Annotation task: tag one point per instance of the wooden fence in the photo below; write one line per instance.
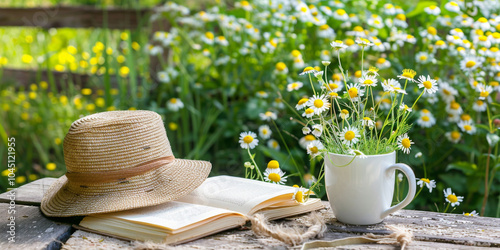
(72, 17)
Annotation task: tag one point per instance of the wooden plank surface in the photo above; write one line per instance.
(74, 17)
(32, 229)
(431, 231)
(28, 194)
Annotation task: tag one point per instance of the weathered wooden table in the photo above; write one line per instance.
(431, 230)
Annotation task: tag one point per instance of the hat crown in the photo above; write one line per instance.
(115, 140)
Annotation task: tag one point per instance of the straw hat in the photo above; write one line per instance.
(120, 160)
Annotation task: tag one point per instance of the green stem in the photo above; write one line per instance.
(289, 153)
(255, 164)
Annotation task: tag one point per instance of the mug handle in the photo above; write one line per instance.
(411, 191)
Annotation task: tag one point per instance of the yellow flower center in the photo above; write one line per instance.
(333, 94)
(453, 4)
(452, 198)
(479, 103)
(344, 111)
(309, 111)
(406, 143)
(310, 138)
(494, 83)
(209, 35)
(423, 58)
(318, 103)
(353, 92)
(431, 30)
(274, 177)
(409, 73)
(173, 100)
(367, 82)
(455, 135)
(465, 117)
(482, 20)
(483, 38)
(484, 93)
(308, 69)
(349, 135)
(324, 27)
(247, 139)
(341, 12)
(332, 86)
(295, 53)
(454, 105)
(470, 64)
(440, 43)
(427, 84)
(401, 17)
(432, 7)
(295, 85)
(303, 9)
(302, 101)
(280, 66)
(273, 164)
(425, 118)
(468, 127)
(314, 149)
(446, 92)
(299, 197)
(425, 180)
(381, 60)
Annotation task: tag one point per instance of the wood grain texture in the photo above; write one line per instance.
(32, 229)
(28, 194)
(74, 17)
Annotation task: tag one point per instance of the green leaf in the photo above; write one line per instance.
(420, 8)
(466, 148)
(466, 167)
(282, 158)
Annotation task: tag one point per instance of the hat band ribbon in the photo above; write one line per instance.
(120, 174)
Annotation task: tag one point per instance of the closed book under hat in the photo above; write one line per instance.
(120, 160)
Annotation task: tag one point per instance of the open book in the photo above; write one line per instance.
(220, 203)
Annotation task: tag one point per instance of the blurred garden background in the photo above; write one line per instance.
(214, 69)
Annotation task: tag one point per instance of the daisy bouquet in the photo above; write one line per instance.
(350, 117)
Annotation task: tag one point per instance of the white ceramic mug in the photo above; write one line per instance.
(361, 192)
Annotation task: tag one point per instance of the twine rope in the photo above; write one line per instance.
(289, 235)
(120, 174)
(399, 235)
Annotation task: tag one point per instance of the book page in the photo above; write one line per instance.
(234, 193)
(173, 215)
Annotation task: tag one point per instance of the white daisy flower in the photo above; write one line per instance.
(484, 91)
(272, 143)
(426, 119)
(208, 38)
(452, 6)
(344, 114)
(308, 70)
(363, 42)
(314, 148)
(268, 116)
(340, 15)
(418, 155)
(262, 94)
(429, 84)
(163, 77)
(423, 57)
(404, 143)
(390, 85)
(301, 104)
(275, 175)
(248, 140)
(452, 198)
(470, 63)
(175, 104)
(447, 92)
(405, 107)
(309, 112)
(317, 130)
(299, 195)
(319, 104)
(467, 127)
(408, 74)
(333, 86)
(433, 10)
(453, 136)
(368, 80)
(338, 45)
(430, 184)
(349, 135)
(265, 132)
(479, 106)
(306, 130)
(357, 153)
(368, 122)
(355, 92)
(454, 108)
(221, 40)
(306, 140)
(473, 213)
(325, 63)
(482, 24)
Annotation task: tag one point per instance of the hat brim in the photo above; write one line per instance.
(166, 183)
